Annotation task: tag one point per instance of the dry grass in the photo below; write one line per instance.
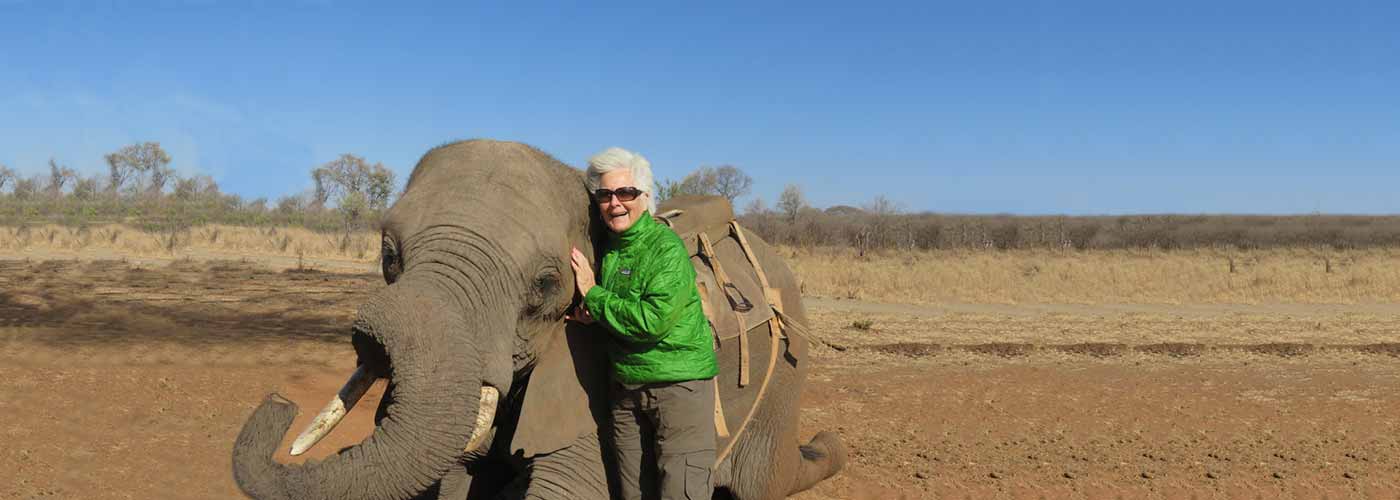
(1295, 275)
(204, 240)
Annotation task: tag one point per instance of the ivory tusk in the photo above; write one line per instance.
(335, 410)
(485, 413)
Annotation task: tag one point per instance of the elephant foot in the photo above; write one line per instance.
(822, 457)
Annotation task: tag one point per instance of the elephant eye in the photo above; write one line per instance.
(389, 260)
(542, 288)
(547, 281)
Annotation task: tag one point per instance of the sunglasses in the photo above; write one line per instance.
(628, 193)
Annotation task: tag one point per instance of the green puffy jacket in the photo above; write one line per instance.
(646, 297)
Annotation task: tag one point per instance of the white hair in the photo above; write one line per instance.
(615, 158)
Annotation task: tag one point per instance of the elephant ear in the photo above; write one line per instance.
(567, 396)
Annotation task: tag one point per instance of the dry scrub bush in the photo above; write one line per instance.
(865, 231)
(204, 240)
(1289, 275)
(162, 212)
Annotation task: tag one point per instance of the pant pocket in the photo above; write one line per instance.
(697, 475)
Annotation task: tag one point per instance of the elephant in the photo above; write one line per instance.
(492, 394)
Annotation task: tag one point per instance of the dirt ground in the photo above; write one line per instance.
(130, 380)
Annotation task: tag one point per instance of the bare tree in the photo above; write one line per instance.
(85, 188)
(294, 203)
(725, 180)
(701, 181)
(883, 229)
(59, 176)
(7, 176)
(257, 205)
(26, 187)
(756, 207)
(882, 205)
(207, 185)
(731, 183)
(187, 189)
(157, 178)
(665, 190)
(791, 202)
(135, 161)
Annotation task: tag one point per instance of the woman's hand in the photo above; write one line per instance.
(580, 314)
(583, 272)
(583, 281)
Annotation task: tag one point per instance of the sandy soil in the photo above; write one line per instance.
(131, 379)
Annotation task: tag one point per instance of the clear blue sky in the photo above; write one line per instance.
(1018, 107)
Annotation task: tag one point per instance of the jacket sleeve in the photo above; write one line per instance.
(657, 310)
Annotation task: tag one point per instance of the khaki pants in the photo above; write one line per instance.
(663, 439)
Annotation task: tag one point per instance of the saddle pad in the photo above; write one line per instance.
(711, 215)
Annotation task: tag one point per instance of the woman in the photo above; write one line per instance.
(660, 345)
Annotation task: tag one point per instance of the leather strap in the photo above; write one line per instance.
(743, 354)
(668, 215)
(707, 310)
(748, 253)
(708, 251)
(721, 428)
(774, 339)
(770, 294)
(731, 292)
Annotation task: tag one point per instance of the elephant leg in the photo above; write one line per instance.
(768, 464)
(575, 472)
(820, 458)
(479, 480)
(763, 472)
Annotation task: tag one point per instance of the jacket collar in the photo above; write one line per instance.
(644, 226)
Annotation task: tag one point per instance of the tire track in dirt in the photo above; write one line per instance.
(1108, 350)
(1029, 310)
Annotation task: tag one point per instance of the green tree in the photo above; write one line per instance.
(352, 207)
(291, 204)
(136, 161)
(351, 176)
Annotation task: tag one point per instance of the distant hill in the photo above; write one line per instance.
(844, 210)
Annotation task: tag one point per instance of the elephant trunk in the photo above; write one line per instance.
(414, 336)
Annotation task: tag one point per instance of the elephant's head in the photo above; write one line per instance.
(475, 254)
